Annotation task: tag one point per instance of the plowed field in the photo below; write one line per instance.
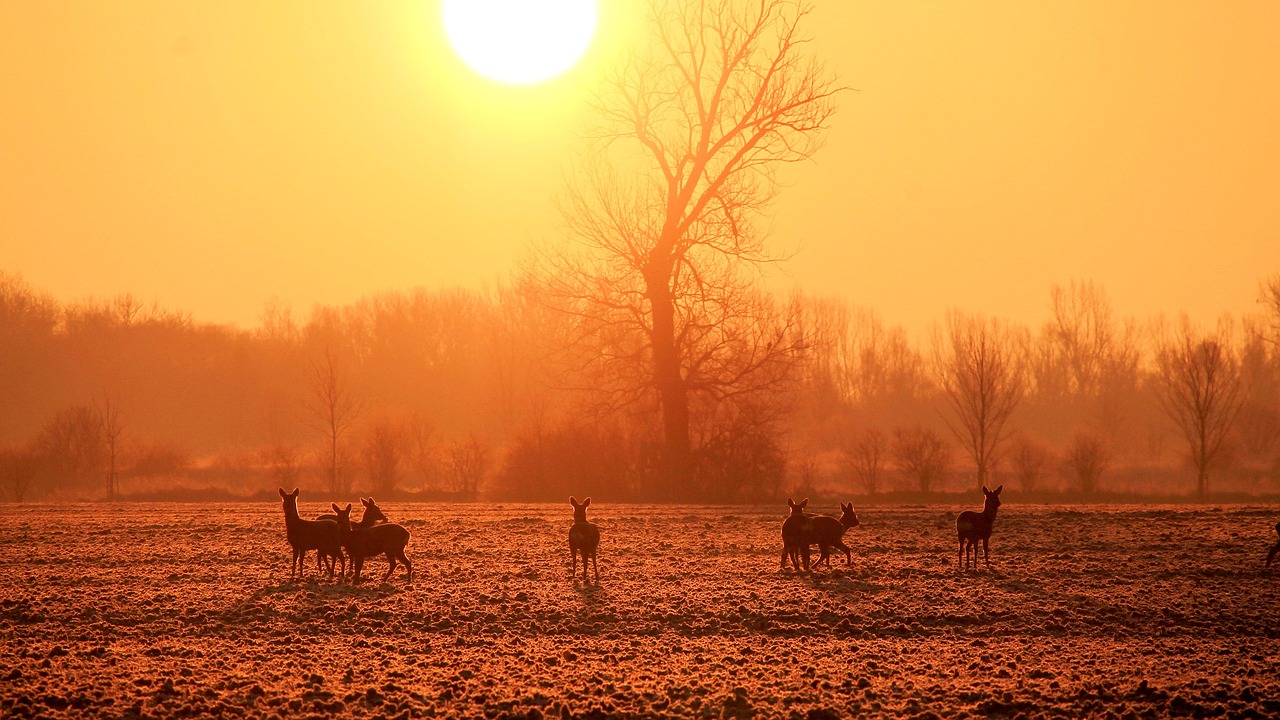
(187, 610)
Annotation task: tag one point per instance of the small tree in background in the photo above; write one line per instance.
(1269, 296)
(334, 410)
(1200, 390)
(866, 457)
(383, 451)
(19, 468)
(112, 429)
(921, 455)
(468, 461)
(72, 447)
(976, 361)
(1031, 461)
(1087, 458)
(283, 462)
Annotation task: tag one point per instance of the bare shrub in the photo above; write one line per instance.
(1031, 461)
(1086, 460)
(921, 456)
(866, 456)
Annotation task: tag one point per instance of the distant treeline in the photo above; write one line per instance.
(464, 394)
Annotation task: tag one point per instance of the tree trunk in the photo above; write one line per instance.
(677, 464)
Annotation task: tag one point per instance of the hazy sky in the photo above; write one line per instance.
(215, 155)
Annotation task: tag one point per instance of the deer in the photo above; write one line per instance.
(372, 516)
(319, 535)
(584, 538)
(387, 539)
(974, 526)
(828, 532)
(1275, 549)
(794, 530)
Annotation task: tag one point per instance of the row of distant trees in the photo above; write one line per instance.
(458, 394)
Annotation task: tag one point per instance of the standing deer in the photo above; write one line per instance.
(372, 516)
(584, 537)
(1275, 549)
(794, 533)
(828, 532)
(388, 539)
(304, 535)
(974, 526)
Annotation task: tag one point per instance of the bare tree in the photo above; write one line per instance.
(1269, 296)
(283, 463)
(921, 455)
(468, 463)
(1096, 353)
(19, 468)
(383, 451)
(1030, 460)
(72, 447)
(112, 428)
(424, 453)
(976, 362)
(334, 410)
(1087, 458)
(692, 131)
(866, 456)
(1200, 390)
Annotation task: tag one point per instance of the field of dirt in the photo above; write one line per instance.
(187, 610)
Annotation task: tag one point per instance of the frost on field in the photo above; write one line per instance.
(175, 610)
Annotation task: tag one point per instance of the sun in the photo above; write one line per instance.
(520, 41)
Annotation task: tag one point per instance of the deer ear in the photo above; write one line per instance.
(573, 501)
(985, 491)
(790, 503)
(335, 507)
(348, 507)
(295, 492)
(282, 493)
(804, 503)
(365, 502)
(586, 503)
(997, 490)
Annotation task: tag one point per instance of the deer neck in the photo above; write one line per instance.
(989, 512)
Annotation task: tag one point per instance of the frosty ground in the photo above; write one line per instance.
(180, 610)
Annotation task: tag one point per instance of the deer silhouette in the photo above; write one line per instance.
(387, 539)
(974, 526)
(828, 532)
(794, 534)
(304, 535)
(584, 538)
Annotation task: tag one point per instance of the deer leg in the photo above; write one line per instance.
(986, 554)
(848, 554)
(595, 567)
(391, 565)
(1275, 550)
(804, 554)
(408, 566)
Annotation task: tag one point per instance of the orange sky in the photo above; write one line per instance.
(215, 155)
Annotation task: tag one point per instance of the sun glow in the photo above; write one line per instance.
(520, 41)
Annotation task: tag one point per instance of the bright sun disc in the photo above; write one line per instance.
(520, 41)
